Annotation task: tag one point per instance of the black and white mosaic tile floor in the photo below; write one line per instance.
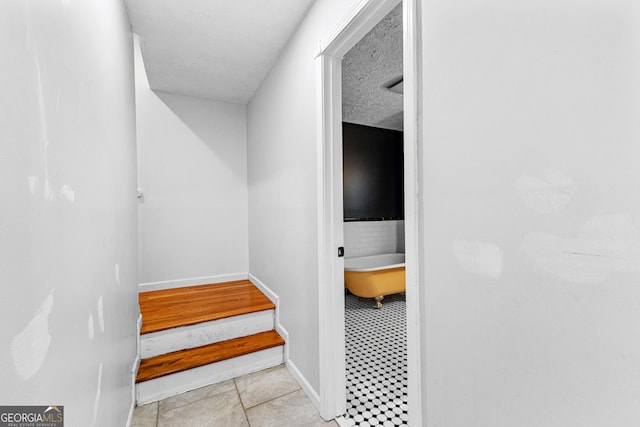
(376, 348)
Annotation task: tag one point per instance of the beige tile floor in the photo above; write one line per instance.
(266, 398)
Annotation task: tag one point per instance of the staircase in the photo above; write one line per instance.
(200, 335)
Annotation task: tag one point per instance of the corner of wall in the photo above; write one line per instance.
(311, 393)
(297, 374)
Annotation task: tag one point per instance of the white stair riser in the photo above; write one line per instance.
(170, 385)
(175, 339)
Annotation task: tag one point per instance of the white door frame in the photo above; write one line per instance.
(360, 19)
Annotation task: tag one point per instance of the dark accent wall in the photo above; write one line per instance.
(373, 173)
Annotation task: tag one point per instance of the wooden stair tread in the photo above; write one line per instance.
(178, 361)
(171, 308)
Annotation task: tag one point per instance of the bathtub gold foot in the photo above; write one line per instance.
(379, 301)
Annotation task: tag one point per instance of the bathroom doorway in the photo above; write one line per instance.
(359, 22)
(374, 235)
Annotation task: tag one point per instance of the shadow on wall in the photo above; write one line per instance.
(209, 121)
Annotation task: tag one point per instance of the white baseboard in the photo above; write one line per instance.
(304, 384)
(274, 298)
(285, 335)
(181, 283)
(138, 329)
(134, 371)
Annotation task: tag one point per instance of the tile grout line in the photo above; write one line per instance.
(244, 410)
(270, 400)
(266, 401)
(276, 398)
(156, 421)
(157, 413)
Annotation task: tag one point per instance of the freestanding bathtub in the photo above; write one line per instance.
(375, 276)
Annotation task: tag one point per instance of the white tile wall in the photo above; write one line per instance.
(363, 238)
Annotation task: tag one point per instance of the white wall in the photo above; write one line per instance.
(362, 238)
(531, 213)
(68, 216)
(282, 184)
(192, 167)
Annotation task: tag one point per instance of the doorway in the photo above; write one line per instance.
(358, 22)
(373, 205)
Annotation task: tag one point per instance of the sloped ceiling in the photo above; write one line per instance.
(223, 49)
(217, 49)
(366, 68)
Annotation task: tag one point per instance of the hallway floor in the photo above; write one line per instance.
(266, 398)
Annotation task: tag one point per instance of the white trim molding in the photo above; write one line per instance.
(274, 298)
(332, 398)
(304, 384)
(285, 336)
(191, 281)
(413, 229)
(354, 25)
(134, 370)
(359, 20)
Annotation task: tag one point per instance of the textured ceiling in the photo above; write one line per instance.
(218, 49)
(223, 49)
(371, 63)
